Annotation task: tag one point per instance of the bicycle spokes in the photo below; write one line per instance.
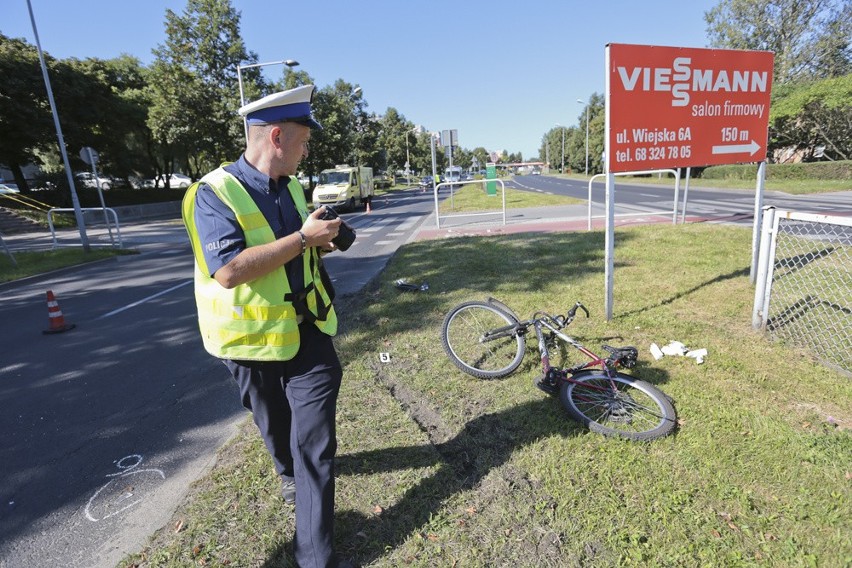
(482, 340)
(619, 405)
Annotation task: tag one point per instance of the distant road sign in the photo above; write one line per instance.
(89, 155)
(671, 107)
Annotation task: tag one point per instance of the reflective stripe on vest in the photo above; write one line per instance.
(253, 321)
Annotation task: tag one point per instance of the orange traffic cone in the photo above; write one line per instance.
(54, 314)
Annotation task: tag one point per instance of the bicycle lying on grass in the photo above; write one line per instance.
(487, 340)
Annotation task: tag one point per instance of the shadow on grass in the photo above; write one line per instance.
(479, 266)
(485, 443)
(721, 278)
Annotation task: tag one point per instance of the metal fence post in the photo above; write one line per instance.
(763, 263)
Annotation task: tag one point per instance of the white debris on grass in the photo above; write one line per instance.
(677, 349)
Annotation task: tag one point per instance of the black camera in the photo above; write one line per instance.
(346, 235)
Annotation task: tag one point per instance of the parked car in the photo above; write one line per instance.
(176, 181)
(86, 179)
(426, 183)
(382, 181)
(9, 188)
(308, 181)
(402, 179)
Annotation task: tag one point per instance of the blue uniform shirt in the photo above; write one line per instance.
(219, 232)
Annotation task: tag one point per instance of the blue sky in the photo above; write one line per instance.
(502, 73)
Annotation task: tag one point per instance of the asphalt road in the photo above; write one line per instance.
(701, 202)
(106, 426)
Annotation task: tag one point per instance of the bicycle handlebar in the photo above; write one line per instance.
(573, 311)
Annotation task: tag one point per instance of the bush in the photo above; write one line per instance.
(840, 170)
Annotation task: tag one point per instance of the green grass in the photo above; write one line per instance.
(436, 468)
(473, 197)
(32, 263)
(792, 186)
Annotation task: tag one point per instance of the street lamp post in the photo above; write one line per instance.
(407, 155)
(587, 135)
(353, 96)
(288, 62)
(563, 147)
(78, 212)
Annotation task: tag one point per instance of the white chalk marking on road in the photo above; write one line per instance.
(127, 494)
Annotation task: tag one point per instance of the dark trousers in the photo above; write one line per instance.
(293, 404)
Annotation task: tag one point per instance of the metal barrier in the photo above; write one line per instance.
(450, 184)
(803, 291)
(8, 252)
(106, 211)
(674, 210)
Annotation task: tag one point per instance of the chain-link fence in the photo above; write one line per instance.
(804, 283)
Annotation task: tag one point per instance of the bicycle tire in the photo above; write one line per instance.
(461, 333)
(637, 411)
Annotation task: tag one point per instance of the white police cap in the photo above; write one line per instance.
(293, 105)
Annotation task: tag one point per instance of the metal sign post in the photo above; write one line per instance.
(90, 156)
(699, 107)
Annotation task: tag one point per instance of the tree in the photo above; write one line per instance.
(481, 156)
(810, 38)
(25, 117)
(462, 157)
(110, 112)
(291, 80)
(340, 110)
(575, 144)
(94, 102)
(394, 128)
(194, 87)
(814, 115)
(552, 145)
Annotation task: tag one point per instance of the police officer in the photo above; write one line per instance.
(264, 309)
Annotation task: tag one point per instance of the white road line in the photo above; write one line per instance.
(143, 300)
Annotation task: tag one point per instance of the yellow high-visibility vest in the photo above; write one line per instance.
(255, 321)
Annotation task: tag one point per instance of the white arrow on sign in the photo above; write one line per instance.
(751, 148)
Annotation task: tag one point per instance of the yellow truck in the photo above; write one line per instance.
(344, 186)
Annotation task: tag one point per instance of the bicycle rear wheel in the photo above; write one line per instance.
(618, 406)
(481, 340)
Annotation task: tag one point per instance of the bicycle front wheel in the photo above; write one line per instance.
(619, 405)
(482, 340)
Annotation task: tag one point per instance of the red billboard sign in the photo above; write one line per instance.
(671, 107)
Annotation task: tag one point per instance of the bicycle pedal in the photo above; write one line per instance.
(549, 387)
